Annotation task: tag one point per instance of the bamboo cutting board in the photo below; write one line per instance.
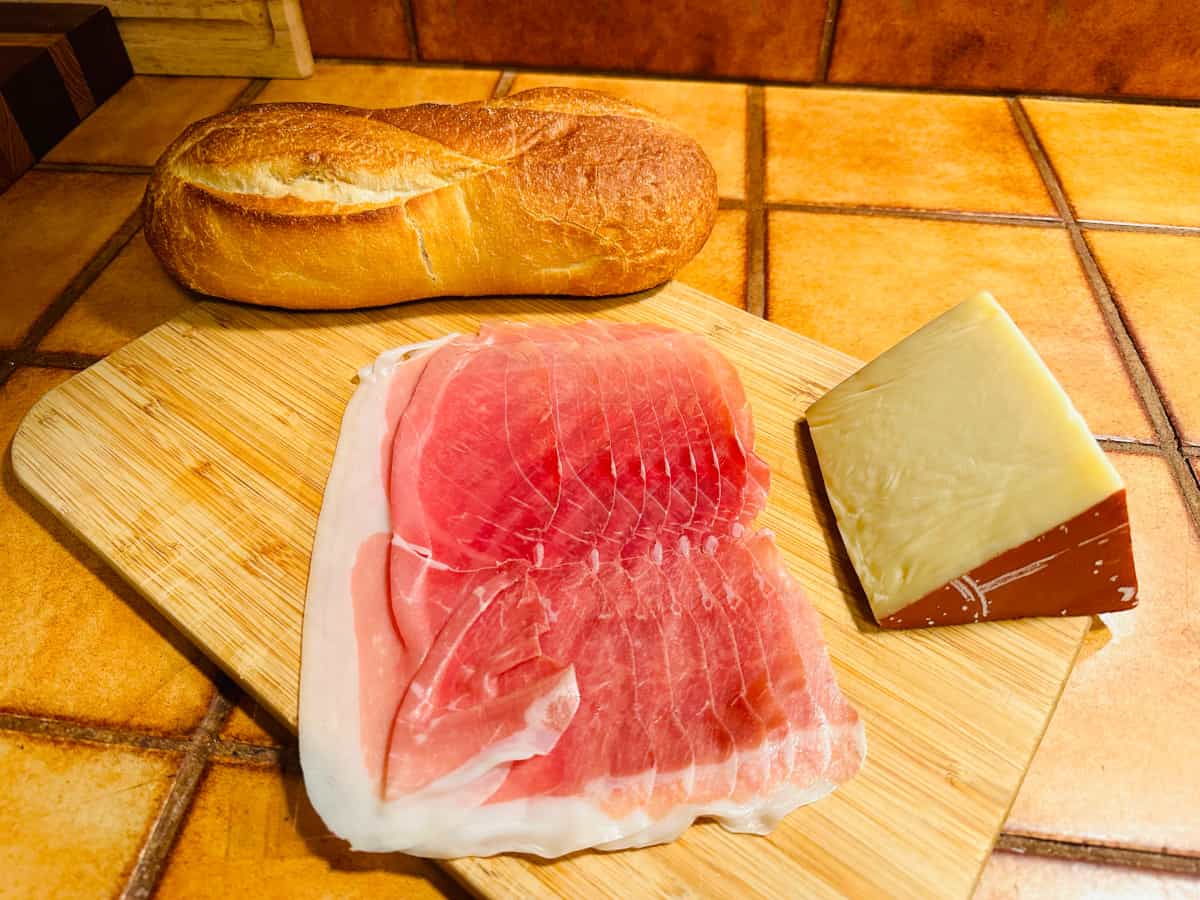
(194, 461)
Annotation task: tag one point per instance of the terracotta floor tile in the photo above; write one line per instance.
(719, 269)
(861, 283)
(935, 152)
(1125, 162)
(1011, 876)
(51, 224)
(713, 113)
(78, 643)
(131, 296)
(138, 122)
(1118, 762)
(251, 832)
(382, 85)
(250, 724)
(73, 816)
(1154, 277)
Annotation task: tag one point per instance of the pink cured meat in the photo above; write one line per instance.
(581, 641)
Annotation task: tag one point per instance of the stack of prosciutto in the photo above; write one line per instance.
(538, 616)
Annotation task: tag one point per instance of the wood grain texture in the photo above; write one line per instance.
(260, 38)
(194, 460)
(83, 41)
(72, 75)
(33, 89)
(15, 155)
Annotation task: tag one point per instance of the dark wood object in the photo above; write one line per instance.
(58, 62)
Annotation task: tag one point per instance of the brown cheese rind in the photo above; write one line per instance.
(1081, 567)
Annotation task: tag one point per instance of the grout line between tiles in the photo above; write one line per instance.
(1139, 373)
(410, 26)
(82, 281)
(1155, 399)
(418, 63)
(503, 84)
(98, 168)
(730, 203)
(25, 352)
(153, 856)
(906, 212)
(64, 729)
(242, 752)
(828, 39)
(54, 359)
(1096, 853)
(249, 93)
(1133, 99)
(1128, 445)
(756, 216)
(1143, 227)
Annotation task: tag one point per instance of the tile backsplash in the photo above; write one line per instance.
(1101, 47)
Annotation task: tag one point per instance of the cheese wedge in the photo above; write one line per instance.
(965, 484)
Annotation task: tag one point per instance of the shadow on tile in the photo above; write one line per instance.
(250, 723)
(337, 853)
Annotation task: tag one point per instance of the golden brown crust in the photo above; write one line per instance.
(316, 206)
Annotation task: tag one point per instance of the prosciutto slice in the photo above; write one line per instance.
(539, 618)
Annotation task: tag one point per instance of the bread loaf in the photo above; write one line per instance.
(550, 190)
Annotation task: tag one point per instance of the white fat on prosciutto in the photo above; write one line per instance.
(538, 616)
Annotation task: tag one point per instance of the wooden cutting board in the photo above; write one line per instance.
(194, 460)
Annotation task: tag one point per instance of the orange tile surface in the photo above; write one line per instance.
(137, 123)
(250, 724)
(74, 816)
(739, 38)
(51, 224)
(861, 283)
(1010, 876)
(373, 85)
(1123, 162)
(131, 296)
(714, 114)
(78, 642)
(882, 148)
(1153, 278)
(251, 832)
(719, 269)
(1101, 46)
(1118, 762)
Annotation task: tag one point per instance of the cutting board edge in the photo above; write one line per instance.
(28, 478)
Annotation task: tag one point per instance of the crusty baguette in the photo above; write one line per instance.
(315, 206)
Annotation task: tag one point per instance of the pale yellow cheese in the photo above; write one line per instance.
(949, 449)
